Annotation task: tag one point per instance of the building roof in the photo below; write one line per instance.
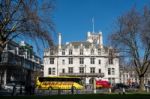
(77, 44)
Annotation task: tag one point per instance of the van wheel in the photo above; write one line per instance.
(50, 88)
(74, 87)
(39, 87)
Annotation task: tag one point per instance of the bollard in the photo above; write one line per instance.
(123, 90)
(109, 90)
(147, 89)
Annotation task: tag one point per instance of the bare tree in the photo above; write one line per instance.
(30, 18)
(132, 38)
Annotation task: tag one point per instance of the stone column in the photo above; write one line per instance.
(5, 77)
(94, 86)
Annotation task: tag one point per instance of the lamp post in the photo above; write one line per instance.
(57, 62)
(85, 70)
(85, 76)
(85, 73)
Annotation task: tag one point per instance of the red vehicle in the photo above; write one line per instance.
(102, 84)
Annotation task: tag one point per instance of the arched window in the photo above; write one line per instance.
(91, 81)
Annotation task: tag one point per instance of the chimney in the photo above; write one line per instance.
(89, 37)
(88, 34)
(59, 40)
(17, 50)
(100, 40)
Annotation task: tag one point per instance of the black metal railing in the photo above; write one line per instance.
(83, 74)
(11, 59)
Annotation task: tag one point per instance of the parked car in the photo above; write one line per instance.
(102, 84)
(147, 86)
(134, 85)
(13, 86)
(119, 87)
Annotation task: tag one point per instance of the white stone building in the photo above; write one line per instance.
(129, 76)
(88, 59)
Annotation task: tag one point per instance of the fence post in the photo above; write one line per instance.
(109, 90)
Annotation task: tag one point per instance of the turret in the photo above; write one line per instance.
(100, 40)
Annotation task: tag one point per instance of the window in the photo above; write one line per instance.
(53, 71)
(113, 80)
(109, 71)
(81, 69)
(51, 52)
(70, 51)
(110, 52)
(75, 46)
(63, 70)
(70, 69)
(92, 60)
(49, 71)
(110, 60)
(99, 61)
(99, 51)
(81, 60)
(81, 51)
(109, 79)
(70, 60)
(63, 52)
(99, 71)
(51, 60)
(113, 71)
(92, 70)
(92, 51)
(63, 62)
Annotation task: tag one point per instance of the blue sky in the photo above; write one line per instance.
(73, 18)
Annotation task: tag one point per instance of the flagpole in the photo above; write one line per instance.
(93, 23)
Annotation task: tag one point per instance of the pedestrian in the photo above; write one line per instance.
(59, 91)
(14, 90)
(72, 89)
(33, 87)
(30, 89)
(26, 89)
(123, 90)
(21, 89)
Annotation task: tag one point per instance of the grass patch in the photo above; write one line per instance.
(84, 96)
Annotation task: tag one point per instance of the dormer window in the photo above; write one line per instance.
(99, 51)
(63, 52)
(92, 51)
(110, 52)
(110, 60)
(51, 52)
(70, 51)
(81, 51)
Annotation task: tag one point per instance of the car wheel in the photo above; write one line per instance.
(9, 90)
(50, 88)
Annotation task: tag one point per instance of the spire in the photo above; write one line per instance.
(93, 23)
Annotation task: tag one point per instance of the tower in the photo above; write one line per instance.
(100, 40)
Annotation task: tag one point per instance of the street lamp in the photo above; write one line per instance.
(85, 70)
(85, 76)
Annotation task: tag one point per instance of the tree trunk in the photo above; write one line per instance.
(141, 83)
